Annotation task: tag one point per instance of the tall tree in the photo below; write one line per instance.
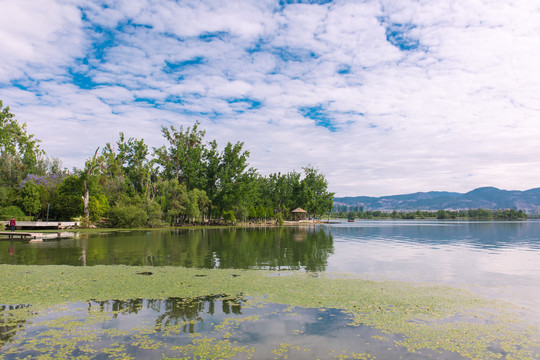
(211, 161)
(19, 151)
(317, 200)
(133, 154)
(29, 198)
(183, 158)
(233, 179)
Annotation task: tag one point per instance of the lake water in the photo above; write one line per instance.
(498, 259)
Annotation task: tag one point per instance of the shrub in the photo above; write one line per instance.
(155, 215)
(98, 206)
(11, 211)
(128, 216)
(279, 218)
(228, 217)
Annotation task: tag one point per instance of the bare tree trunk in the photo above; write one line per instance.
(86, 201)
(86, 198)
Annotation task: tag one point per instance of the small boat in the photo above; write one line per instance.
(350, 219)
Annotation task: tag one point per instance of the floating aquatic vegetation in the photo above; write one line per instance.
(410, 317)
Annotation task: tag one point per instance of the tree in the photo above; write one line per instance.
(284, 191)
(98, 206)
(182, 160)
(90, 167)
(29, 198)
(68, 202)
(132, 156)
(234, 182)
(211, 163)
(195, 205)
(316, 199)
(19, 151)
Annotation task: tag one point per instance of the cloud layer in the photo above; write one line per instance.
(384, 97)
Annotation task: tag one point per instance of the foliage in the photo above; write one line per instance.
(127, 216)
(85, 222)
(12, 211)
(279, 218)
(67, 202)
(29, 198)
(182, 160)
(19, 151)
(187, 180)
(228, 217)
(98, 207)
(316, 199)
(154, 215)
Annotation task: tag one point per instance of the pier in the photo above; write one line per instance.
(54, 225)
(21, 235)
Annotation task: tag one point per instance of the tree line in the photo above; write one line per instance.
(128, 184)
(470, 214)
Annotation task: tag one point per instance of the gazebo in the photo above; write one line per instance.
(299, 214)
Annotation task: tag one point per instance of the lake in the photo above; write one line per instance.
(495, 259)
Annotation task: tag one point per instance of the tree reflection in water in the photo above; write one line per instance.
(9, 323)
(172, 311)
(276, 248)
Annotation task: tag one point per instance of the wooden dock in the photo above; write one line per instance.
(35, 225)
(35, 236)
(21, 235)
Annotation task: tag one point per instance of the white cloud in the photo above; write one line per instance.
(34, 37)
(457, 110)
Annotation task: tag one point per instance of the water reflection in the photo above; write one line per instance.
(197, 328)
(260, 248)
(481, 235)
(9, 323)
(187, 312)
(499, 259)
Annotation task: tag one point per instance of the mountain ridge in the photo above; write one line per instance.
(484, 197)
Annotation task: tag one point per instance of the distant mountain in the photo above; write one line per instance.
(485, 198)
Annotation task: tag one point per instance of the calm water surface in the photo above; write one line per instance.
(500, 259)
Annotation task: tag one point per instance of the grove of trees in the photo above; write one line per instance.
(127, 184)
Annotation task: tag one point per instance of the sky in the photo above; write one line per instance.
(382, 96)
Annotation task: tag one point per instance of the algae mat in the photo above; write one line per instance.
(45, 315)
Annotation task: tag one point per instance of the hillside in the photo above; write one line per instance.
(485, 198)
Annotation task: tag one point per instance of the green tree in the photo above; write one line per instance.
(172, 197)
(283, 190)
(196, 203)
(211, 161)
(29, 198)
(68, 203)
(183, 159)
(19, 151)
(90, 168)
(234, 180)
(316, 198)
(228, 217)
(98, 206)
(112, 179)
(132, 155)
(128, 216)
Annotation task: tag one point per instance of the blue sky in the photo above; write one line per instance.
(384, 97)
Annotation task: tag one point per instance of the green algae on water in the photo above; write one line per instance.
(423, 316)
